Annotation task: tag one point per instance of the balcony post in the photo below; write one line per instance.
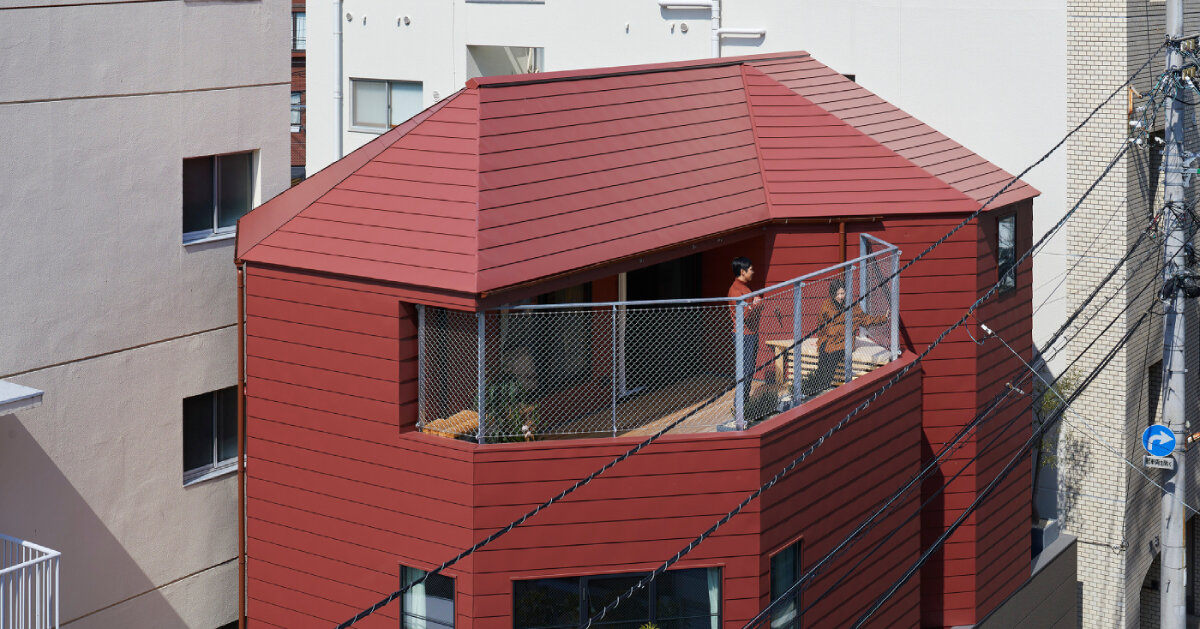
(56, 605)
(894, 306)
(613, 365)
(848, 368)
(480, 371)
(739, 349)
(420, 366)
(797, 330)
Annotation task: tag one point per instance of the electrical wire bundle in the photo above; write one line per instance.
(839, 426)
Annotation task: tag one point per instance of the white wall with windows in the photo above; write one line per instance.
(107, 309)
(1008, 107)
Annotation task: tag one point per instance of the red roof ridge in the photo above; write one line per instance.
(510, 80)
(552, 173)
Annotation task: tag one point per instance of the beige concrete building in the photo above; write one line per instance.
(1106, 497)
(134, 133)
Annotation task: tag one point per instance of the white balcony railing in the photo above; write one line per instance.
(28, 585)
(590, 369)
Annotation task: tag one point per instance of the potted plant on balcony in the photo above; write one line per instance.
(509, 410)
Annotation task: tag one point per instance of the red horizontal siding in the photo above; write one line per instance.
(328, 391)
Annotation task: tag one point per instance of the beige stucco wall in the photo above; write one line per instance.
(105, 309)
(96, 473)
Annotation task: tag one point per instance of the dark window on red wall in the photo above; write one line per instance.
(677, 598)
(1006, 252)
(785, 572)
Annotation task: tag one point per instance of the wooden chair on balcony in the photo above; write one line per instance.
(867, 356)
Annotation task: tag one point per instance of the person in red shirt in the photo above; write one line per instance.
(831, 340)
(743, 271)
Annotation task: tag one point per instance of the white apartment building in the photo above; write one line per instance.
(134, 134)
(1007, 79)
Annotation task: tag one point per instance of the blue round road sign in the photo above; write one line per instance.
(1158, 440)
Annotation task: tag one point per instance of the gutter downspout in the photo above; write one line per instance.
(717, 31)
(241, 440)
(842, 238)
(337, 68)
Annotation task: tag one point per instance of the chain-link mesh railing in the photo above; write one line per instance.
(630, 368)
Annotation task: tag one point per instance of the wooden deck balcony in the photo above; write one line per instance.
(588, 369)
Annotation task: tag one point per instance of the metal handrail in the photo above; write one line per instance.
(890, 248)
(29, 594)
(464, 405)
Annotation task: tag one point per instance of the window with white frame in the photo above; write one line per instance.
(299, 39)
(381, 105)
(297, 111)
(429, 604)
(217, 191)
(209, 433)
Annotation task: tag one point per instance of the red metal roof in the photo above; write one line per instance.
(522, 177)
(910, 138)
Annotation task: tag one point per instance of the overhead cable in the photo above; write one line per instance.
(648, 441)
(849, 416)
(987, 491)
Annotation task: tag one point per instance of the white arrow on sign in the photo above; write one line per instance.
(1158, 438)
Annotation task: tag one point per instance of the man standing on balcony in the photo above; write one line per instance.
(743, 270)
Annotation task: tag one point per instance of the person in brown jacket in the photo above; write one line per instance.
(831, 339)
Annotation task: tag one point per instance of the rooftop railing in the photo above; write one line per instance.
(28, 585)
(553, 371)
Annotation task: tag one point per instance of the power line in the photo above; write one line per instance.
(648, 441)
(880, 544)
(1091, 432)
(983, 495)
(846, 420)
(870, 522)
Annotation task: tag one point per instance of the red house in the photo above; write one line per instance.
(487, 303)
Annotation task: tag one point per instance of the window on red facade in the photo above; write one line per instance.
(677, 598)
(785, 572)
(429, 604)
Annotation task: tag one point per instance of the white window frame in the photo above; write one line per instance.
(297, 111)
(219, 467)
(387, 114)
(217, 232)
(299, 35)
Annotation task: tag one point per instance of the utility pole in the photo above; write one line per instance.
(1173, 576)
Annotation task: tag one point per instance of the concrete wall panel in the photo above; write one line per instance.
(139, 48)
(96, 472)
(93, 227)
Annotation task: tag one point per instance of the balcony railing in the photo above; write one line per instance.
(552, 371)
(28, 585)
